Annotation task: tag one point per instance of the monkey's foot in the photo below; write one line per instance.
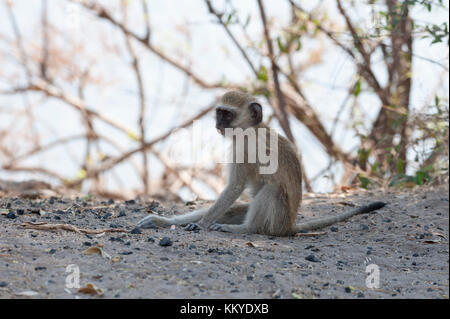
(147, 222)
(192, 227)
(221, 227)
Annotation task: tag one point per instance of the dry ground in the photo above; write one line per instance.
(408, 240)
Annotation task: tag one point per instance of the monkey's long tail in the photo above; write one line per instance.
(327, 221)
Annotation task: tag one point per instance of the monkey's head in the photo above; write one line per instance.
(237, 110)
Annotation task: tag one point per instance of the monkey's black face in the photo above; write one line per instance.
(224, 118)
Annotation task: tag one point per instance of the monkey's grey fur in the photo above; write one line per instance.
(276, 197)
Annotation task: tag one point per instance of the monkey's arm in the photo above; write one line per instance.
(223, 203)
(327, 221)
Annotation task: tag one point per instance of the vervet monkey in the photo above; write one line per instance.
(276, 195)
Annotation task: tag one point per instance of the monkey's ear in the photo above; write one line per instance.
(255, 112)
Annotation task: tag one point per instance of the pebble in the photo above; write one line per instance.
(135, 231)
(3, 284)
(312, 258)
(118, 239)
(107, 215)
(334, 229)
(11, 215)
(165, 242)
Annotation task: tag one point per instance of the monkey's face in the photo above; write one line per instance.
(238, 117)
(225, 117)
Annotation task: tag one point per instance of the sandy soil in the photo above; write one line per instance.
(407, 240)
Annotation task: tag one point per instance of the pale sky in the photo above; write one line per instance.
(170, 99)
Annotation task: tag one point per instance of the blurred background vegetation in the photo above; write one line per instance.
(92, 91)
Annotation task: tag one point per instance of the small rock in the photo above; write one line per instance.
(165, 242)
(122, 214)
(11, 215)
(360, 295)
(348, 290)
(150, 240)
(135, 231)
(3, 284)
(118, 239)
(52, 251)
(364, 227)
(107, 215)
(334, 229)
(312, 258)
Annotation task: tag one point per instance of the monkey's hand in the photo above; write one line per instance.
(221, 227)
(193, 227)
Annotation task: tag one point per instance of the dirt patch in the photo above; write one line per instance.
(407, 240)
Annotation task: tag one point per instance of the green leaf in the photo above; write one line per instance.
(299, 44)
(400, 166)
(357, 89)
(262, 74)
(364, 181)
(283, 48)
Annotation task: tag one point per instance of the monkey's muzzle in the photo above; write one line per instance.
(221, 130)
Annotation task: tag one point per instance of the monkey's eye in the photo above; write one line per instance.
(228, 115)
(225, 115)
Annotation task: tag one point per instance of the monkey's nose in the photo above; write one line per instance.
(221, 130)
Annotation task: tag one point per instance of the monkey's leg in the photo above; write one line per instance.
(327, 221)
(267, 214)
(234, 215)
(183, 219)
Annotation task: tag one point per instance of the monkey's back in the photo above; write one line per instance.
(288, 176)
